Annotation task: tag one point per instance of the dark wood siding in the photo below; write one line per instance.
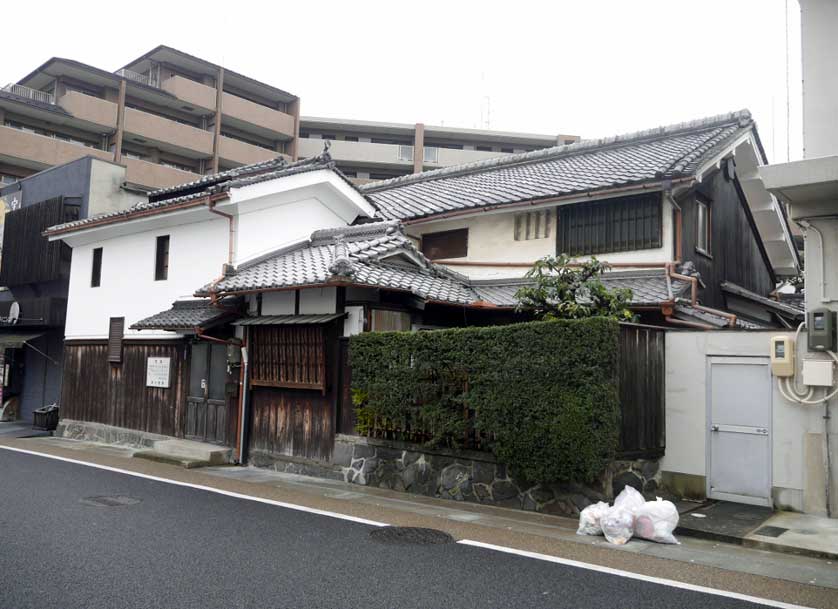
(615, 225)
(27, 256)
(735, 251)
(288, 356)
(292, 422)
(641, 382)
(95, 390)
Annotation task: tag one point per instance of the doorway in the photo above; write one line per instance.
(739, 407)
(206, 402)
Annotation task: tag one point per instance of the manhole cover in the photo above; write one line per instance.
(415, 536)
(110, 501)
(769, 531)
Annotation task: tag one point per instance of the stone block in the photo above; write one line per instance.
(342, 453)
(482, 472)
(649, 468)
(626, 479)
(503, 490)
(410, 457)
(363, 451)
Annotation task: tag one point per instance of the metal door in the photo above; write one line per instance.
(206, 403)
(739, 429)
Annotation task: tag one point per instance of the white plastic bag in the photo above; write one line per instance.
(589, 519)
(629, 499)
(618, 525)
(656, 520)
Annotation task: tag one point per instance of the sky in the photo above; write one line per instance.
(592, 68)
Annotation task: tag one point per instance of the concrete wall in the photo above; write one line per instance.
(797, 431)
(491, 238)
(105, 189)
(42, 373)
(819, 22)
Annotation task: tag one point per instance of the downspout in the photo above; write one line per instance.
(232, 230)
(242, 456)
(827, 464)
(694, 299)
(809, 226)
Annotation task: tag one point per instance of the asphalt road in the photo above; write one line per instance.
(183, 547)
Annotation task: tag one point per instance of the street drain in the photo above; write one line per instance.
(110, 501)
(413, 536)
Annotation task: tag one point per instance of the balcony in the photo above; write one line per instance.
(88, 108)
(28, 93)
(447, 157)
(43, 150)
(359, 152)
(191, 92)
(143, 79)
(235, 151)
(252, 113)
(177, 136)
(153, 175)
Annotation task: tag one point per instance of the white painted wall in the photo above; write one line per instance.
(819, 22)
(797, 431)
(318, 301)
(278, 303)
(128, 289)
(491, 238)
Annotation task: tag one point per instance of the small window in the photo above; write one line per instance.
(533, 225)
(702, 222)
(390, 321)
(483, 148)
(446, 244)
(161, 259)
(350, 138)
(507, 150)
(96, 271)
(115, 332)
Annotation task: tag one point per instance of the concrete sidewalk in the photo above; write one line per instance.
(542, 532)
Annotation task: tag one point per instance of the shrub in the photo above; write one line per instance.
(543, 393)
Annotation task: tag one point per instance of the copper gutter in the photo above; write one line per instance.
(232, 231)
(590, 194)
(690, 324)
(694, 299)
(650, 265)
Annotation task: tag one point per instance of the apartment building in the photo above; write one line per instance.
(372, 150)
(167, 116)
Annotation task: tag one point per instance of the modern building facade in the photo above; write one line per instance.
(372, 150)
(167, 116)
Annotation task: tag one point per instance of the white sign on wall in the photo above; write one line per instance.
(157, 372)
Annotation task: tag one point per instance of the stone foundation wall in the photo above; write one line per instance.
(106, 434)
(478, 477)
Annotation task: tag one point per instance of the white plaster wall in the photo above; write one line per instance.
(491, 238)
(128, 289)
(318, 301)
(819, 22)
(278, 303)
(266, 229)
(797, 472)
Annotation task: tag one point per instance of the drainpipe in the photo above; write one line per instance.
(827, 464)
(809, 226)
(243, 402)
(694, 299)
(232, 230)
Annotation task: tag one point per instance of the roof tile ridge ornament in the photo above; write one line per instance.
(741, 117)
(341, 265)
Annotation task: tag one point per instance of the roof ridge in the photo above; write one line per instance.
(742, 117)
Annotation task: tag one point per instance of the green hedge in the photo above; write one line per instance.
(546, 392)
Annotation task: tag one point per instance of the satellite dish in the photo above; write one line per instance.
(14, 313)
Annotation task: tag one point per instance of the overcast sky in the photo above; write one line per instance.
(592, 68)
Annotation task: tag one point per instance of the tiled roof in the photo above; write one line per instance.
(648, 287)
(687, 312)
(208, 185)
(588, 166)
(793, 308)
(288, 320)
(377, 254)
(188, 315)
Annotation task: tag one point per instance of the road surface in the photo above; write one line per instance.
(168, 546)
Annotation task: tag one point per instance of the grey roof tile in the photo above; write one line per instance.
(187, 315)
(587, 166)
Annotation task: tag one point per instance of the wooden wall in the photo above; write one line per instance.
(116, 394)
(292, 422)
(641, 384)
(735, 254)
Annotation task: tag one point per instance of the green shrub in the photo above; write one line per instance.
(545, 393)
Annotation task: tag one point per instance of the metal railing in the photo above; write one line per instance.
(144, 79)
(33, 94)
(431, 154)
(405, 153)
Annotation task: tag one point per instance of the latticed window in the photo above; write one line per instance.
(616, 225)
(533, 225)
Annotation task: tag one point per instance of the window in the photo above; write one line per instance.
(533, 225)
(483, 148)
(96, 272)
(446, 244)
(405, 153)
(115, 332)
(431, 154)
(615, 225)
(350, 138)
(702, 225)
(328, 136)
(507, 150)
(390, 321)
(161, 259)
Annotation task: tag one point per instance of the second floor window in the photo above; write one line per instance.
(161, 259)
(702, 223)
(96, 271)
(446, 244)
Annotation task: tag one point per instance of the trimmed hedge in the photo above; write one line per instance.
(544, 392)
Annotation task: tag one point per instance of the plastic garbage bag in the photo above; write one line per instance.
(629, 499)
(656, 520)
(589, 519)
(618, 525)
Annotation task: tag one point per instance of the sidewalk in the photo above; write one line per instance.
(525, 530)
(17, 429)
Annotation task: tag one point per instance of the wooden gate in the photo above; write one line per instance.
(208, 416)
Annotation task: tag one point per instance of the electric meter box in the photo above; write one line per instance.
(817, 373)
(821, 330)
(782, 356)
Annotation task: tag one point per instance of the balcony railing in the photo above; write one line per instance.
(431, 154)
(143, 79)
(33, 94)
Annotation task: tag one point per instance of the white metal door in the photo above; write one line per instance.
(739, 429)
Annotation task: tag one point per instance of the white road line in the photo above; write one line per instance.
(619, 572)
(200, 487)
